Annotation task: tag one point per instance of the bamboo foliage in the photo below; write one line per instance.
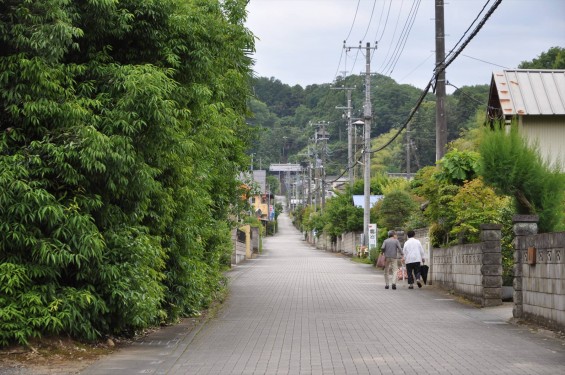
(122, 131)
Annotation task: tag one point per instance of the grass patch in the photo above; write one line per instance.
(361, 260)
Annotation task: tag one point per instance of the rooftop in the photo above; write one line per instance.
(528, 92)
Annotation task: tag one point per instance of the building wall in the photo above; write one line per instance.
(549, 133)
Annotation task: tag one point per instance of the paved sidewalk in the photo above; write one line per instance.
(298, 310)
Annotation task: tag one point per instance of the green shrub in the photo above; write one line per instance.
(516, 168)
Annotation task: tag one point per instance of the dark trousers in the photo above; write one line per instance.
(413, 267)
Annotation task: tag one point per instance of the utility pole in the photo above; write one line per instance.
(349, 133)
(367, 114)
(408, 150)
(309, 179)
(441, 121)
(322, 135)
(367, 117)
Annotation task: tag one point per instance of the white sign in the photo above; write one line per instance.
(285, 168)
(373, 234)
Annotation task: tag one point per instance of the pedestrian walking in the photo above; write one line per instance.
(391, 249)
(413, 257)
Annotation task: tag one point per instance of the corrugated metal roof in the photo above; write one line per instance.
(531, 91)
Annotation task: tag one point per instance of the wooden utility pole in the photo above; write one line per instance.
(350, 161)
(441, 121)
(408, 150)
(367, 117)
(322, 135)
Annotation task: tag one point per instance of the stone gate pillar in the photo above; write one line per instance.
(491, 265)
(524, 225)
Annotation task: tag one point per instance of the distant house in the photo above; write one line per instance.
(338, 183)
(535, 99)
(262, 201)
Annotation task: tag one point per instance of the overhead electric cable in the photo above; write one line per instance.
(386, 22)
(467, 95)
(338, 64)
(419, 65)
(447, 63)
(475, 31)
(406, 36)
(469, 28)
(393, 35)
(370, 19)
(347, 50)
(486, 62)
(379, 26)
(399, 48)
(354, 18)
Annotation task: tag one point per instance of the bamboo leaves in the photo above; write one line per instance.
(122, 132)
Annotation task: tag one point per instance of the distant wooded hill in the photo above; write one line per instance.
(285, 116)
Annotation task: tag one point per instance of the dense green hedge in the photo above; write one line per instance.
(122, 131)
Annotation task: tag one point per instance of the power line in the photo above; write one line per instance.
(469, 28)
(393, 35)
(419, 65)
(467, 95)
(406, 36)
(370, 19)
(354, 18)
(447, 63)
(486, 62)
(386, 22)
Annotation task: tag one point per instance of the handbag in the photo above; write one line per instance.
(381, 261)
(401, 273)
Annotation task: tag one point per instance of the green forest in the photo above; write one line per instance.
(284, 115)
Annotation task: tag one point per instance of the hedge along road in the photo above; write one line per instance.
(298, 310)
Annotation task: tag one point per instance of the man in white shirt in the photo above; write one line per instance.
(413, 257)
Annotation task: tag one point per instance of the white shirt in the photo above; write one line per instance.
(413, 251)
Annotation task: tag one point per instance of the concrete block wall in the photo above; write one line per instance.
(471, 270)
(348, 243)
(539, 289)
(255, 239)
(324, 242)
(458, 268)
(238, 254)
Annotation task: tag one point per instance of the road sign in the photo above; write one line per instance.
(373, 234)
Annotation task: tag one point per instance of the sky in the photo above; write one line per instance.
(301, 41)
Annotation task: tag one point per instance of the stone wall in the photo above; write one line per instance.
(348, 242)
(255, 240)
(472, 270)
(246, 242)
(239, 247)
(324, 242)
(539, 273)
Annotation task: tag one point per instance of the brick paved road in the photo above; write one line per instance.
(297, 310)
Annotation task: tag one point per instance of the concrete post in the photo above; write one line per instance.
(524, 225)
(491, 266)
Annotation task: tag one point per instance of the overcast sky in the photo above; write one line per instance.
(301, 41)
